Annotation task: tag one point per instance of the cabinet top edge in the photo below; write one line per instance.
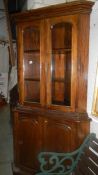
(54, 10)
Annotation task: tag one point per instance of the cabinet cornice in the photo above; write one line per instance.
(54, 10)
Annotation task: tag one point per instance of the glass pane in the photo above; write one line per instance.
(32, 91)
(31, 40)
(61, 63)
(32, 65)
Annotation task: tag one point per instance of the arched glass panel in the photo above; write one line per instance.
(61, 63)
(31, 47)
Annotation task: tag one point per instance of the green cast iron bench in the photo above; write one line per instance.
(83, 161)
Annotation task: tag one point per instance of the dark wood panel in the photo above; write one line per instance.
(57, 136)
(28, 141)
(93, 156)
(83, 51)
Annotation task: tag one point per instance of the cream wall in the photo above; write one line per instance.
(4, 54)
(40, 3)
(3, 26)
(93, 52)
(93, 59)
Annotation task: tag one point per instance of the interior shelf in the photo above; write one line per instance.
(31, 51)
(32, 100)
(59, 80)
(61, 50)
(31, 79)
(65, 102)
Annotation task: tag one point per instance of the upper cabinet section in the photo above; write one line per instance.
(53, 56)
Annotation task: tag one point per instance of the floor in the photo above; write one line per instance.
(6, 146)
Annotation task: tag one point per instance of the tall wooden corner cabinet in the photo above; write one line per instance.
(53, 46)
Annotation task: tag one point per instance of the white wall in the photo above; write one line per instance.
(31, 4)
(93, 52)
(4, 54)
(3, 26)
(40, 3)
(93, 59)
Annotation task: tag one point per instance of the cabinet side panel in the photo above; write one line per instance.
(20, 63)
(83, 45)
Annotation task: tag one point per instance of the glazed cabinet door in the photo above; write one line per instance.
(27, 141)
(61, 59)
(31, 63)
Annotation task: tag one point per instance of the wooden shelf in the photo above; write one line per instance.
(61, 50)
(58, 80)
(65, 103)
(32, 100)
(31, 79)
(31, 51)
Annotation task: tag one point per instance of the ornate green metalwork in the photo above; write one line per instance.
(52, 163)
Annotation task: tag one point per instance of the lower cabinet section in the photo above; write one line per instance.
(42, 130)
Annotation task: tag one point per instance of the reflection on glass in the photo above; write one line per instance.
(31, 40)
(32, 91)
(61, 63)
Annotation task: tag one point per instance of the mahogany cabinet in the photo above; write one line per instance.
(53, 45)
